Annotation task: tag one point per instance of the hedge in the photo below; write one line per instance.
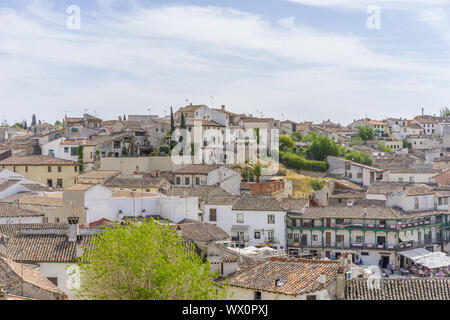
(299, 163)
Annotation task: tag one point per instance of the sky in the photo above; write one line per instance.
(303, 60)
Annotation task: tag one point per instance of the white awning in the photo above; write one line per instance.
(415, 254)
(434, 260)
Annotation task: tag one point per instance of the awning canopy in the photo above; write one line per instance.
(415, 254)
(239, 227)
(435, 260)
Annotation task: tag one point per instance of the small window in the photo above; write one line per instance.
(49, 168)
(187, 181)
(257, 295)
(212, 214)
(197, 181)
(311, 297)
(240, 218)
(66, 149)
(50, 183)
(53, 280)
(257, 234)
(178, 180)
(59, 183)
(270, 218)
(26, 168)
(59, 169)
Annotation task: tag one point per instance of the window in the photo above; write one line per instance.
(75, 168)
(257, 295)
(339, 238)
(59, 183)
(53, 280)
(416, 202)
(240, 218)
(187, 181)
(74, 129)
(49, 168)
(212, 214)
(197, 181)
(350, 175)
(74, 151)
(178, 180)
(66, 149)
(59, 169)
(116, 144)
(26, 168)
(311, 297)
(359, 175)
(315, 237)
(359, 239)
(50, 183)
(56, 220)
(270, 218)
(257, 234)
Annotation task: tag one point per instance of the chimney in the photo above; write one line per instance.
(223, 107)
(78, 248)
(323, 279)
(3, 295)
(73, 228)
(340, 285)
(276, 282)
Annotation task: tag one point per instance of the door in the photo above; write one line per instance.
(328, 223)
(304, 240)
(328, 238)
(385, 261)
(296, 239)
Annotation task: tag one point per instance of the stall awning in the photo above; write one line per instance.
(406, 238)
(239, 227)
(434, 260)
(415, 254)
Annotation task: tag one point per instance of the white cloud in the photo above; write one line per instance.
(160, 56)
(358, 4)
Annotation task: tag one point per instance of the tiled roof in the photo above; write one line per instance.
(222, 200)
(12, 273)
(399, 289)
(258, 203)
(7, 184)
(294, 204)
(300, 276)
(201, 231)
(36, 160)
(352, 212)
(37, 187)
(98, 174)
(13, 210)
(133, 194)
(80, 187)
(44, 248)
(201, 192)
(42, 201)
(190, 108)
(197, 169)
(229, 259)
(418, 189)
(130, 182)
(10, 230)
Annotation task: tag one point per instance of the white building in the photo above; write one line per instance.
(353, 171)
(251, 221)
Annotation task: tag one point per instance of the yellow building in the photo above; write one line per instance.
(47, 170)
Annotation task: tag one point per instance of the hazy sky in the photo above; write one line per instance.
(296, 59)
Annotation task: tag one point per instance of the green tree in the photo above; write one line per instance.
(365, 133)
(383, 147)
(145, 262)
(172, 121)
(183, 121)
(309, 137)
(356, 141)
(360, 157)
(33, 120)
(296, 136)
(80, 157)
(286, 144)
(322, 147)
(445, 112)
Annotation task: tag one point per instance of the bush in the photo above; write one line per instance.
(296, 136)
(296, 162)
(360, 157)
(164, 149)
(286, 143)
(317, 184)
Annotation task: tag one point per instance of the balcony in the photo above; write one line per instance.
(240, 239)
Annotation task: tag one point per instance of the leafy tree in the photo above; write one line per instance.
(445, 112)
(80, 157)
(360, 157)
(317, 184)
(365, 133)
(296, 136)
(383, 147)
(183, 121)
(309, 137)
(286, 143)
(165, 149)
(172, 121)
(58, 123)
(356, 141)
(144, 262)
(322, 147)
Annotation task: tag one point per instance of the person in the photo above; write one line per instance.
(391, 267)
(360, 261)
(380, 263)
(401, 271)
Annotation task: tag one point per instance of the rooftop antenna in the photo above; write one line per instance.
(422, 110)
(212, 101)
